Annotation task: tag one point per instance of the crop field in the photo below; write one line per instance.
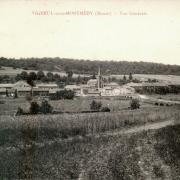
(66, 146)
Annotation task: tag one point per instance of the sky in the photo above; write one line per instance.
(132, 30)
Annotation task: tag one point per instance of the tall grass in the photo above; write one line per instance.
(68, 125)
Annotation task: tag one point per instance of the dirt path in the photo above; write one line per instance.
(145, 127)
(137, 129)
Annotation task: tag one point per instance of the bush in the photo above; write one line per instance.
(64, 94)
(19, 111)
(46, 107)
(134, 104)
(105, 109)
(34, 108)
(95, 105)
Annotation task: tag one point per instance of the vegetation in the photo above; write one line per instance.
(105, 109)
(32, 149)
(90, 67)
(63, 94)
(34, 108)
(175, 89)
(135, 104)
(45, 107)
(95, 105)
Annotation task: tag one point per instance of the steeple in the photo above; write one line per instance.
(99, 71)
(99, 77)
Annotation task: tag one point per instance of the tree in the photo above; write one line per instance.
(130, 77)
(34, 108)
(32, 76)
(7, 93)
(69, 74)
(15, 94)
(40, 75)
(18, 77)
(46, 107)
(50, 76)
(30, 81)
(24, 75)
(63, 94)
(95, 105)
(124, 77)
(135, 104)
(93, 76)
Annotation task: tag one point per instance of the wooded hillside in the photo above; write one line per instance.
(90, 67)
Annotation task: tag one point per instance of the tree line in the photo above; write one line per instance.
(90, 67)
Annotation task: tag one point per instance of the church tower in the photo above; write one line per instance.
(100, 79)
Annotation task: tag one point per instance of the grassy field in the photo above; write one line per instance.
(162, 78)
(13, 72)
(146, 155)
(172, 97)
(9, 106)
(73, 146)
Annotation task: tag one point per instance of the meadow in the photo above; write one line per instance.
(9, 106)
(162, 78)
(171, 97)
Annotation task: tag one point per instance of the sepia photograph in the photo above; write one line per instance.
(89, 90)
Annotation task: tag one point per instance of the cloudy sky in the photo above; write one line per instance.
(133, 30)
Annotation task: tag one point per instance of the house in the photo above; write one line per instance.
(93, 93)
(24, 91)
(112, 85)
(22, 88)
(21, 84)
(6, 86)
(92, 83)
(118, 91)
(47, 86)
(75, 88)
(2, 92)
(40, 92)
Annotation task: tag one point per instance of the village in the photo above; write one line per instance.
(94, 87)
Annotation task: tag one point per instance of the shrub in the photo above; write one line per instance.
(105, 109)
(29, 98)
(19, 111)
(95, 105)
(34, 108)
(64, 94)
(134, 104)
(46, 107)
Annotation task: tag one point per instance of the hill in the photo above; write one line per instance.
(90, 67)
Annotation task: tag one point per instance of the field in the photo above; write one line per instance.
(79, 146)
(9, 106)
(171, 97)
(162, 78)
(13, 72)
(121, 144)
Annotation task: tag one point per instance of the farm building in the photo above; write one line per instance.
(47, 85)
(6, 86)
(23, 89)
